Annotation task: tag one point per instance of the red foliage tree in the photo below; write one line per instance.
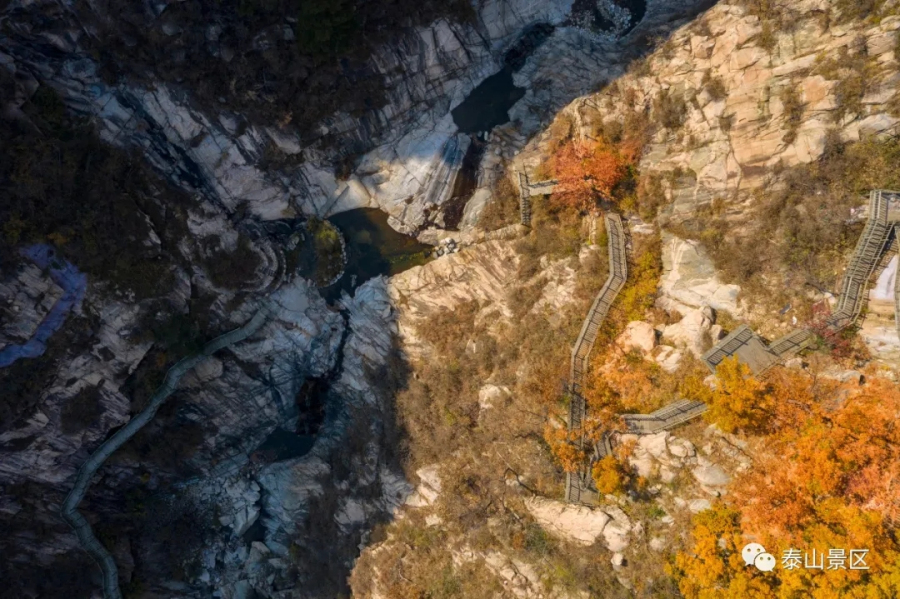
(589, 170)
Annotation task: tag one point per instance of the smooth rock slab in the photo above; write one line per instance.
(638, 335)
(574, 523)
(709, 474)
(690, 279)
(698, 505)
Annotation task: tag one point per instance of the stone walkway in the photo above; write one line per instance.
(69, 511)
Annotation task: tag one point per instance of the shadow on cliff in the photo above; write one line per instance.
(326, 544)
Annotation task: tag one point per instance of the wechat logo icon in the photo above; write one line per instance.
(755, 554)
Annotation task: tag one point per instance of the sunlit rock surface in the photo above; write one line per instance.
(690, 281)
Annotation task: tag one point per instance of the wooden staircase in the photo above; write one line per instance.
(578, 485)
(869, 249)
(664, 418)
(883, 219)
(524, 199)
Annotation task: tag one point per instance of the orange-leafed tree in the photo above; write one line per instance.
(619, 383)
(825, 476)
(588, 170)
(563, 447)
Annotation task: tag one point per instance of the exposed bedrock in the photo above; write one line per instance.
(272, 524)
(413, 149)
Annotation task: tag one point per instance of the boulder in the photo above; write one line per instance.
(668, 358)
(638, 335)
(879, 333)
(682, 448)
(615, 534)
(429, 487)
(642, 462)
(655, 444)
(489, 395)
(690, 280)
(580, 524)
(574, 523)
(709, 474)
(692, 331)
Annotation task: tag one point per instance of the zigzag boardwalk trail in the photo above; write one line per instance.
(581, 351)
(883, 218)
(69, 510)
(579, 485)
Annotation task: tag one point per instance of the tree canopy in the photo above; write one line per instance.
(824, 476)
(589, 170)
(740, 401)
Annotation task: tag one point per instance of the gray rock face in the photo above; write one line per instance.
(24, 302)
(690, 280)
(415, 150)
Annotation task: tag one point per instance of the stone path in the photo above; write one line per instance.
(69, 511)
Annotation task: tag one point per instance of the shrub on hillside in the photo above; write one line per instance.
(670, 109)
(234, 269)
(793, 112)
(714, 86)
(503, 209)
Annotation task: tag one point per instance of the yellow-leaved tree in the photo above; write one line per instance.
(713, 568)
(825, 476)
(610, 476)
(739, 402)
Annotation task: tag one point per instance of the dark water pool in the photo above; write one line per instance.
(373, 249)
(488, 105)
(285, 445)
